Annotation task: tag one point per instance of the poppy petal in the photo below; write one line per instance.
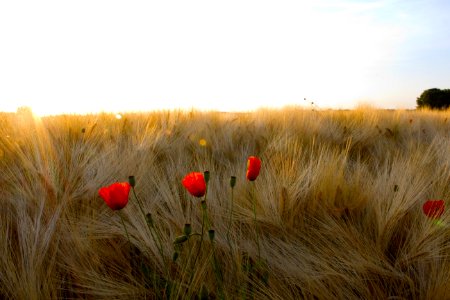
(195, 184)
(115, 195)
(253, 168)
(433, 208)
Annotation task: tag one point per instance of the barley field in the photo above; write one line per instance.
(335, 213)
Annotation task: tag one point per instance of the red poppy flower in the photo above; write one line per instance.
(115, 195)
(195, 184)
(434, 208)
(253, 167)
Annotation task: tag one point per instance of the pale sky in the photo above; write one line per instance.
(94, 55)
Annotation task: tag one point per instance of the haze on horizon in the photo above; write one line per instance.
(90, 56)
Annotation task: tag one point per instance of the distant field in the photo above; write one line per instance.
(338, 205)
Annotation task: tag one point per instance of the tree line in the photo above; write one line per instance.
(434, 99)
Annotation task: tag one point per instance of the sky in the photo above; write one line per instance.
(116, 56)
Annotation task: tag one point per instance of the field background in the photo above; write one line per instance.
(339, 204)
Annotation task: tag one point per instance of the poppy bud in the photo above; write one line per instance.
(149, 219)
(187, 229)
(211, 234)
(132, 181)
(180, 239)
(265, 277)
(206, 174)
(175, 256)
(232, 181)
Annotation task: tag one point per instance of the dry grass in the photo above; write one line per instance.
(339, 203)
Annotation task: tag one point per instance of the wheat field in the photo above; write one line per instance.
(338, 205)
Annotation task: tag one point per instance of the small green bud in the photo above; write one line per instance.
(132, 181)
(206, 175)
(149, 219)
(203, 204)
(187, 229)
(175, 256)
(440, 223)
(211, 234)
(265, 277)
(204, 295)
(232, 181)
(181, 239)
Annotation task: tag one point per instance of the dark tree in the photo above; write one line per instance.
(434, 99)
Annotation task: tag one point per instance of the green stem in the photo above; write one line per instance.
(230, 219)
(204, 215)
(188, 260)
(256, 222)
(230, 222)
(203, 222)
(208, 224)
(205, 209)
(151, 228)
(125, 227)
(202, 234)
(217, 272)
(156, 240)
(138, 201)
(158, 245)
